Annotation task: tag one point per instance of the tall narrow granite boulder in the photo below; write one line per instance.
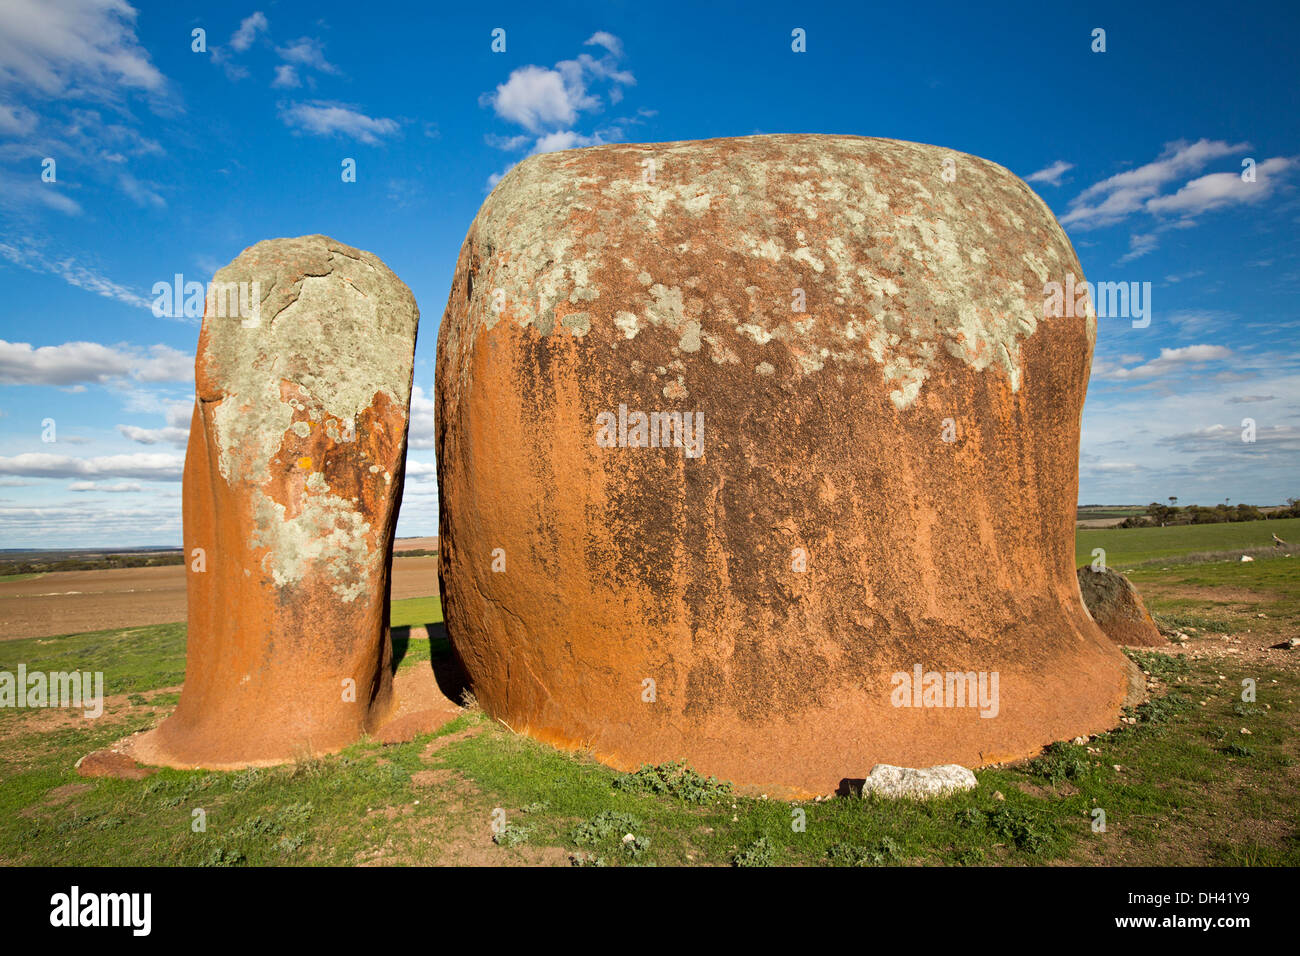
(762, 454)
(293, 477)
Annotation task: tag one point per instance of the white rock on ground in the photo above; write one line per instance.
(918, 784)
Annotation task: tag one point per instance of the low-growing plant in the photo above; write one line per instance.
(673, 779)
(635, 847)
(1060, 761)
(971, 856)
(971, 817)
(512, 835)
(759, 853)
(1025, 829)
(885, 850)
(1158, 710)
(606, 825)
(1173, 621)
(1163, 667)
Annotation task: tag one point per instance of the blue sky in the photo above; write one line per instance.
(172, 161)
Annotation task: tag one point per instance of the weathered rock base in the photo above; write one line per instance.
(421, 707)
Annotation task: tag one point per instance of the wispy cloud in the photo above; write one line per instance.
(175, 432)
(1217, 190)
(1115, 198)
(16, 120)
(1169, 360)
(74, 49)
(1050, 174)
(103, 486)
(307, 52)
(421, 432)
(286, 77)
(26, 194)
(66, 268)
(250, 28)
(142, 193)
(322, 118)
(155, 466)
(1139, 244)
(548, 102)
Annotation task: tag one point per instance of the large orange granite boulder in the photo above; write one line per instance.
(293, 477)
(854, 545)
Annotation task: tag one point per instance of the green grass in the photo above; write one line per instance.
(131, 659)
(139, 658)
(21, 577)
(1183, 768)
(1191, 789)
(1127, 547)
(415, 611)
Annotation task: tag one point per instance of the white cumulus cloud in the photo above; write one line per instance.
(78, 363)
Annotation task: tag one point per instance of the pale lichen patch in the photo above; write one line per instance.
(903, 267)
(326, 534)
(362, 330)
(690, 340)
(628, 323)
(578, 323)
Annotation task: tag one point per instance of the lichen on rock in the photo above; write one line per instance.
(887, 476)
(293, 478)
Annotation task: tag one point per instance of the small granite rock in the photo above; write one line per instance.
(889, 781)
(1117, 607)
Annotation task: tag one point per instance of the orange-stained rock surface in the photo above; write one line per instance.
(1117, 608)
(292, 482)
(834, 308)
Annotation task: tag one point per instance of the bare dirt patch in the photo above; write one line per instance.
(63, 794)
(438, 743)
(117, 707)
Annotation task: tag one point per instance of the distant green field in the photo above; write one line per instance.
(1126, 547)
(415, 611)
(1118, 511)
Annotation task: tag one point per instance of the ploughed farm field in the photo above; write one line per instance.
(62, 602)
(1198, 776)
